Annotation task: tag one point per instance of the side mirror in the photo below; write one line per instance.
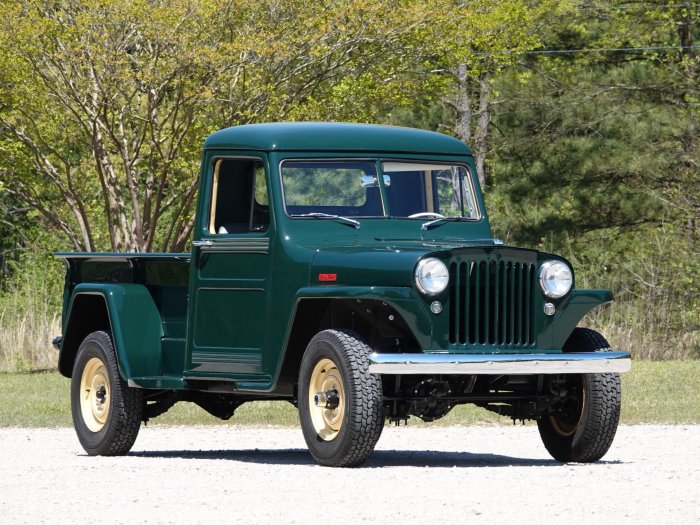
(370, 181)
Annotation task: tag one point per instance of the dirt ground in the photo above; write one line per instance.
(416, 475)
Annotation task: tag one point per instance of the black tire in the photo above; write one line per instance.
(581, 428)
(337, 360)
(106, 411)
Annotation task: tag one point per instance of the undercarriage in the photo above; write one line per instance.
(518, 397)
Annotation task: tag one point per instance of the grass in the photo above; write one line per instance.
(653, 392)
(661, 392)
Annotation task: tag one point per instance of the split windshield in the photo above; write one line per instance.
(350, 188)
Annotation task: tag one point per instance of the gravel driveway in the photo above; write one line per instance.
(416, 475)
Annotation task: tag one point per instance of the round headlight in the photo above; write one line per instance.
(555, 279)
(431, 276)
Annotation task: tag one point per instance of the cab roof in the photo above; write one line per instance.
(334, 136)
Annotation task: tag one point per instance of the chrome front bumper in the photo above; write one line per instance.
(500, 364)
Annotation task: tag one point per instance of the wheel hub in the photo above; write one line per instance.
(101, 393)
(326, 399)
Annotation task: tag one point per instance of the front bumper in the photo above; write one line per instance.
(500, 364)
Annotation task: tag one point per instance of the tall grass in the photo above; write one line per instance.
(648, 330)
(30, 319)
(655, 314)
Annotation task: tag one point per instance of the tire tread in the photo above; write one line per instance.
(602, 414)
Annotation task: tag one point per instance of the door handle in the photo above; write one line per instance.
(203, 242)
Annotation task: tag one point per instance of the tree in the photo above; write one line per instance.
(471, 43)
(597, 159)
(601, 139)
(105, 102)
(102, 97)
(13, 219)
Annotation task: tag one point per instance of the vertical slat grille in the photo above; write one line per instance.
(491, 302)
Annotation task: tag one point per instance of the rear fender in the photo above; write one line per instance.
(128, 313)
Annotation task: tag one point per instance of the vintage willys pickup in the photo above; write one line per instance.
(350, 270)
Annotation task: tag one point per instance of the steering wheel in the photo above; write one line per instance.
(426, 215)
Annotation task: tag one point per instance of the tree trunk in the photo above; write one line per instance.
(468, 90)
(482, 129)
(463, 106)
(689, 139)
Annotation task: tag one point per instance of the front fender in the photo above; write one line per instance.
(401, 299)
(131, 316)
(578, 304)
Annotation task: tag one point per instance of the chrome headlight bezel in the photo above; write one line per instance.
(556, 279)
(431, 276)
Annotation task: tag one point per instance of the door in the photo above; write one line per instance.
(231, 273)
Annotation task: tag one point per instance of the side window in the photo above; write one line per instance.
(260, 186)
(239, 202)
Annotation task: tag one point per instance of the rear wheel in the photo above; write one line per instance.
(106, 411)
(581, 427)
(340, 402)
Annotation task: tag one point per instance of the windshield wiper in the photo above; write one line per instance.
(437, 222)
(344, 220)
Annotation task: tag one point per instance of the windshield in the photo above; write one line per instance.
(350, 188)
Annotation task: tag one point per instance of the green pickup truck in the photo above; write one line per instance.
(347, 269)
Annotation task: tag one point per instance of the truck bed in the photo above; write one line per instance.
(165, 275)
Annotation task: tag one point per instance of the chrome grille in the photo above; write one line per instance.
(491, 302)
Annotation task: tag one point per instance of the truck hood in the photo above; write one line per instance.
(388, 262)
(365, 265)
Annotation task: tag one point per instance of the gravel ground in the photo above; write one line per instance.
(416, 475)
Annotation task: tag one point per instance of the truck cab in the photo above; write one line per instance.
(350, 270)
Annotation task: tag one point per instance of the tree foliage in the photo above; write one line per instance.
(583, 116)
(105, 103)
(598, 153)
(102, 101)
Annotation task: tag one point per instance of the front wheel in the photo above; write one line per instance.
(581, 427)
(340, 402)
(106, 411)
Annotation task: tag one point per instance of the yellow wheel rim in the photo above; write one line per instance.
(563, 428)
(566, 428)
(95, 394)
(326, 378)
